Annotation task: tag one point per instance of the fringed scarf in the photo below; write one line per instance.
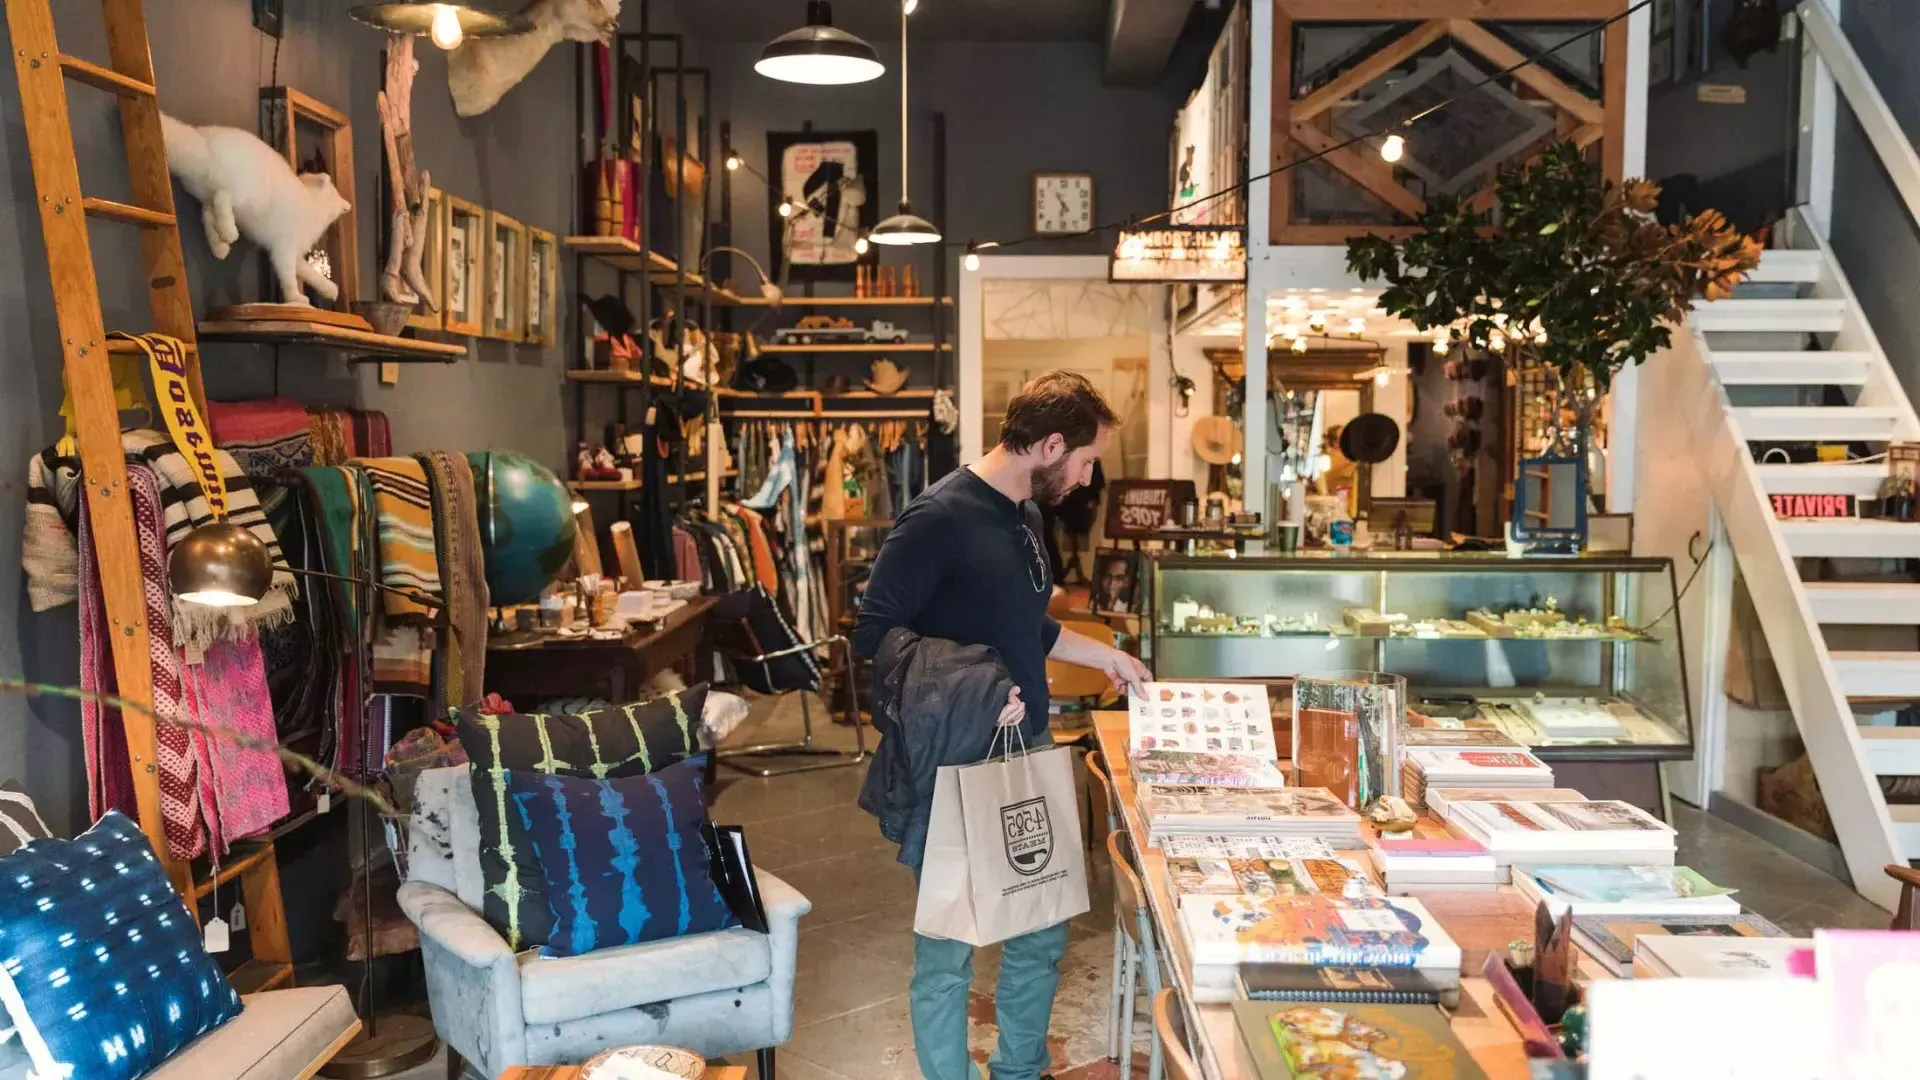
(184, 508)
(244, 790)
(176, 759)
(338, 496)
(109, 773)
(463, 577)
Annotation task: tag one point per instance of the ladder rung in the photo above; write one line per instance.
(103, 78)
(122, 345)
(131, 215)
(233, 869)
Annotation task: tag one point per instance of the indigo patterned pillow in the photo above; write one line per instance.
(625, 740)
(623, 858)
(101, 966)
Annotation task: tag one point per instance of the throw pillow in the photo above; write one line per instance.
(625, 740)
(622, 858)
(101, 967)
(19, 820)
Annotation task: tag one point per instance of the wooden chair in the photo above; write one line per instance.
(1170, 1024)
(1072, 682)
(1134, 958)
(1908, 917)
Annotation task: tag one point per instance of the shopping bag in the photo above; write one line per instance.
(1003, 851)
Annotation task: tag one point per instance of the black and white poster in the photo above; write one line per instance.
(830, 180)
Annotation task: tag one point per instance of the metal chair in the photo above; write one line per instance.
(1136, 957)
(738, 646)
(1170, 1024)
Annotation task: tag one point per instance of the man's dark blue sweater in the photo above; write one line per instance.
(966, 563)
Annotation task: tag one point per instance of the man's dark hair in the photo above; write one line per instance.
(1057, 401)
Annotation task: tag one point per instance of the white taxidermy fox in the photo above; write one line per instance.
(244, 186)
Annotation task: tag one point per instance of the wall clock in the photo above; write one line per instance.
(1062, 203)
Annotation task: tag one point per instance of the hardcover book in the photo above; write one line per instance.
(1392, 931)
(1609, 939)
(1267, 877)
(1658, 956)
(1197, 846)
(1362, 1042)
(1163, 767)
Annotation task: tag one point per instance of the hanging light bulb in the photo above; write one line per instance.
(446, 31)
(1317, 322)
(1356, 327)
(580, 506)
(860, 245)
(1497, 342)
(906, 228)
(972, 261)
(819, 54)
(1442, 341)
(446, 25)
(1392, 147)
(733, 162)
(1236, 457)
(1381, 375)
(1299, 344)
(786, 208)
(908, 7)
(1323, 463)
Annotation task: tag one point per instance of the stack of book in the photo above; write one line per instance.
(1305, 1039)
(1417, 865)
(1440, 800)
(1178, 768)
(1596, 832)
(1623, 890)
(1657, 956)
(1199, 810)
(1612, 939)
(1261, 866)
(1321, 948)
(1422, 767)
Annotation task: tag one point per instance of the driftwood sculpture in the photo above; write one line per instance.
(482, 70)
(402, 278)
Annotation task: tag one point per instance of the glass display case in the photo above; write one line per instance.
(1578, 658)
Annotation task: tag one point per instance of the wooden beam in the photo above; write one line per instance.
(1369, 69)
(1403, 10)
(1340, 234)
(1280, 186)
(1535, 77)
(1367, 169)
(1614, 87)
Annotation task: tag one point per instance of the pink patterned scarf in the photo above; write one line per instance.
(244, 790)
(179, 792)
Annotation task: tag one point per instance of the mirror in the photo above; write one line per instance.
(1550, 501)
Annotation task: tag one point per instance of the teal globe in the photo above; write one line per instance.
(526, 524)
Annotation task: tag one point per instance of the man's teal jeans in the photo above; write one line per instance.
(1023, 1005)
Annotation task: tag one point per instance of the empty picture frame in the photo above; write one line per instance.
(506, 257)
(465, 293)
(318, 138)
(542, 287)
(433, 265)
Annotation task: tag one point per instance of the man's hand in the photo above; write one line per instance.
(1126, 673)
(1015, 711)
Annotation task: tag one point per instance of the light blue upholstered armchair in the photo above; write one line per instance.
(716, 994)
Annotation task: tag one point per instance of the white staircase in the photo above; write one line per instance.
(1751, 373)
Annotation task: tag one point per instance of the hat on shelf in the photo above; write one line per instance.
(1370, 438)
(1215, 439)
(886, 377)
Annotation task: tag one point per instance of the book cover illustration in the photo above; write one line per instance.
(1499, 817)
(1619, 884)
(1160, 767)
(1195, 846)
(1319, 929)
(1225, 718)
(1429, 847)
(1601, 816)
(1245, 803)
(1355, 1042)
(1614, 935)
(1441, 736)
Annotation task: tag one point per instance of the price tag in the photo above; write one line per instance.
(238, 918)
(326, 802)
(217, 935)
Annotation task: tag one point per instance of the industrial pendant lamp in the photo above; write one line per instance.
(818, 54)
(447, 24)
(906, 228)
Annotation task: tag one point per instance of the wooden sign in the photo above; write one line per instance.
(1179, 253)
(1815, 506)
(1136, 509)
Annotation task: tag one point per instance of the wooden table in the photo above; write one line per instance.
(572, 1072)
(539, 666)
(1479, 922)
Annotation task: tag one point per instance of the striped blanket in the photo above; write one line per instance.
(403, 512)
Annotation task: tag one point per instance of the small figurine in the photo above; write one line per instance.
(1390, 813)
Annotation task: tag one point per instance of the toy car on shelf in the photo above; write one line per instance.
(829, 330)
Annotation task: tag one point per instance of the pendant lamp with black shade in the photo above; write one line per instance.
(906, 228)
(819, 54)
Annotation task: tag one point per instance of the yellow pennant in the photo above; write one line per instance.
(167, 359)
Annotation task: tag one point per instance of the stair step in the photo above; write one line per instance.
(1906, 827)
(1878, 675)
(1864, 603)
(1814, 315)
(129, 215)
(1787, 264)
(1817, 423)
(1863, 538)
(104, 78)
(1861, 479)
(1810, 368)
(1892, 751)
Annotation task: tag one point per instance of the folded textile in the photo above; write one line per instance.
(48, 552)
(403, 507)
(330, 433)
(245, 787)
(463, 574)
(264, 437)
(184, 508)
(109, 769)
(372, 437)
(339, 494)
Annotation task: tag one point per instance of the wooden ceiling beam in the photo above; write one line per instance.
(1368, 69)
(1533, 76)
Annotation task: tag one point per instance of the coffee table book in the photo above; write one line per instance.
(1407, 1042)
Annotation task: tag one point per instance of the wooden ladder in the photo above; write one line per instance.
(64, 214)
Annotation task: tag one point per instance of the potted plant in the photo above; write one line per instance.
(1567, 271)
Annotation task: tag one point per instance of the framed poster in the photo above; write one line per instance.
(542, 286)
(466, 226)
(506, 304)
(831, 181)
(1116, 581)
(433, 266)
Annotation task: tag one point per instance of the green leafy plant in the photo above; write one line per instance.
(1569, 270)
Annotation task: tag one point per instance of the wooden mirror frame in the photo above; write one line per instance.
(282, 110)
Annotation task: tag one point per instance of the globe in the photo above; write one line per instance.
(526, 524)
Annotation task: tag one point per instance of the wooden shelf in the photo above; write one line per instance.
(912, 346)
(846, 301)
(357, 343)
(603, 485)
(596, 376)
(624, 255)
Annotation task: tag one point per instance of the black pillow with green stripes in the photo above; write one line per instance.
(622, 740)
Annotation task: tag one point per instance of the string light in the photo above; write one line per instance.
(733, 162)
(1381, 376)
(786, 208)
(972, 261)
(1497, 341)
(1356, 328)
(860, 245)
(1317, 322)
(1299, 344)
(1392, 148)
(446, 31)
(1442, 341)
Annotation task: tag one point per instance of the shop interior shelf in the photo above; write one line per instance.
(846, 301)
(623, 254)
(912, 346)
(356, 343)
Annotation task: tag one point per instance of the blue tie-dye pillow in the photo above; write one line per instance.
(101, 967)
(623, 859)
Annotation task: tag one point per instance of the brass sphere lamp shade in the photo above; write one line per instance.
(819, 54)
(220, 564)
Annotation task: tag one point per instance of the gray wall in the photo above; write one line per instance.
(209, 63)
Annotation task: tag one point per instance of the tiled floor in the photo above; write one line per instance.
(856, 946)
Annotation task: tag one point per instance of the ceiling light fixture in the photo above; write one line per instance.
(447, 25)
(817, 54)
(906, 228)
(908, 7)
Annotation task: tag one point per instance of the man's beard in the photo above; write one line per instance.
(1050, 483)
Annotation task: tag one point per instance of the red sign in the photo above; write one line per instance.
(1815, 506)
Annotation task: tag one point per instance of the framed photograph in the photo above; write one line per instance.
(506, 278)
(433, 266)
(831, 181)
(465, 231)
(542, 288)
(1116, 582)
(317, 138)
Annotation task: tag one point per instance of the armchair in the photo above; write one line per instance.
(716, 994)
